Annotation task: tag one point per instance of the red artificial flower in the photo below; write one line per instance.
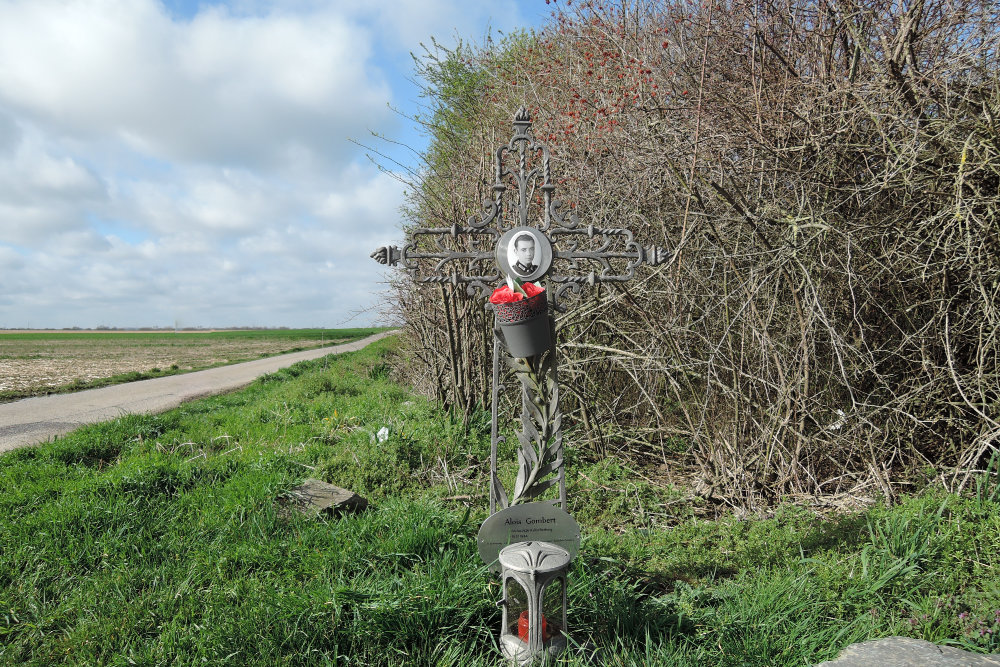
(531, 289)
(505, 294)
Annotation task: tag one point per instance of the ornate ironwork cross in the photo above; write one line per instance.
(484, 251)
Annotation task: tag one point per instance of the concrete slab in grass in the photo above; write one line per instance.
(906, 652)
(314, 497)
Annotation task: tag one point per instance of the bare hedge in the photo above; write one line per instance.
(825, 177)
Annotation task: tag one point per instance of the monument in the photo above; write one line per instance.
(525, 258)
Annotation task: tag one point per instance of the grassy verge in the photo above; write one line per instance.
(158, 540)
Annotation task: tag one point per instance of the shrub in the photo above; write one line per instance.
(825, 181)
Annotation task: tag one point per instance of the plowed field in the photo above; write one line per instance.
(39, 362)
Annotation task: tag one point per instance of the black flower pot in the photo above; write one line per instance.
(525, 325)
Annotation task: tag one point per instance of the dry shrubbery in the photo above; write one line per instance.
(825, 177)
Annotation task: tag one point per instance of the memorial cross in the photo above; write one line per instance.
(488, 252)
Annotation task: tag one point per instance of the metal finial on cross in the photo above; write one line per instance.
(585, 254)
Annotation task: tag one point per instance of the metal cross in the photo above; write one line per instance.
(483, 252)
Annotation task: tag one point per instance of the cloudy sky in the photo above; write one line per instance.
(186, 162)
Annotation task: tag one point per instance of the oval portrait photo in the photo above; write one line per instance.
(524, 253)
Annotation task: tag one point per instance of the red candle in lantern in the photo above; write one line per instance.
(522, 627)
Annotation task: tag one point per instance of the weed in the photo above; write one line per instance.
(988, 482)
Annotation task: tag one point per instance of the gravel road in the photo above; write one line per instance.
(35, 420)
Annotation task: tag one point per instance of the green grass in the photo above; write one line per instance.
(160, 540)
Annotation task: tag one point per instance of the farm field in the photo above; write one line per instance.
(42, 362)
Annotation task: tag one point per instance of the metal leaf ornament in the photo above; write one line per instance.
(540, 454)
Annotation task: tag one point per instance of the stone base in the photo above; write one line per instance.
(516, 651)
(906, 652)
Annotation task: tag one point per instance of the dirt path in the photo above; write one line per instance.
(39, 419)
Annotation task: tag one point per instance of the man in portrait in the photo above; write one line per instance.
(524, 251)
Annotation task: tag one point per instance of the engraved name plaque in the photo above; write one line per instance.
(528, 522)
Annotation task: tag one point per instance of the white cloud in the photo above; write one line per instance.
(11, 264)
(40, 190)
(371, 201)
(221, 88)
(158, 167)
(10, 133)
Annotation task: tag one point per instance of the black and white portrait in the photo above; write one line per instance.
(521, 254)
(524, 253)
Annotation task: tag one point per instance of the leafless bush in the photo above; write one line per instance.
(826, 179)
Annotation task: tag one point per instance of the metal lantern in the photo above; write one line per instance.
(533, 575)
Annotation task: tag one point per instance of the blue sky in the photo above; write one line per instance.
(193, 163)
